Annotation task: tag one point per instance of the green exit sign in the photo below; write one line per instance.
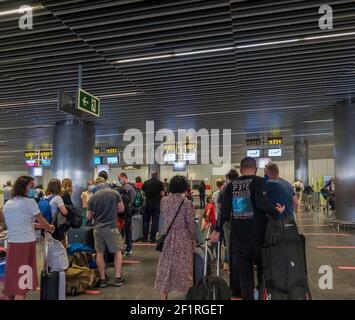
(88, 103)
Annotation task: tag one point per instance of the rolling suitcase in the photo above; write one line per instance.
(210, 287)
(137, 227)
(52, 282)
(199, 237)
(83, 235)
(199, 262)
(284, 262)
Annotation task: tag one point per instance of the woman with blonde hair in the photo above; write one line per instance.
(67, 191)
(85, 196)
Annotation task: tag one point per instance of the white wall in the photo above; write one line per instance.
(10, 175)
(317, 168)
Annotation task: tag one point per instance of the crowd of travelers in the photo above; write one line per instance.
(235, 215)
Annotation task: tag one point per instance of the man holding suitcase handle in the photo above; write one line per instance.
(246, 205)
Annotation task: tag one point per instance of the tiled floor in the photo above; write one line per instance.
(140, 275)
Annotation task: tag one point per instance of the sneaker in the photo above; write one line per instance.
(128, 252)
(226, 266)
(103, 283)
(119, 282)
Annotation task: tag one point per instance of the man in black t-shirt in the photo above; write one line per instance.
(154, 191)
(247, 205)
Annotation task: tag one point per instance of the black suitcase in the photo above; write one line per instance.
(199, 262)
(284, 262)
(52, 282)
(49, 285)
(83, 235)
(210, 287)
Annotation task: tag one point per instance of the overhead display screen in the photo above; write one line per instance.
(253, 153)
(97, 161)
(31, 163)
(46, 162)
(30, 154)
(111, 150)
(38, 172)
(45, 154)
(112, 160)
(275, 141)
(190, 156)
(179, 167)
(169, 157)
(253, 142)
(274, 152)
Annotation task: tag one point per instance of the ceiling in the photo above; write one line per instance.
(259, 68)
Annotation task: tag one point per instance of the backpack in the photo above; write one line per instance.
(45, 208)
(74, 217)
(138, 200)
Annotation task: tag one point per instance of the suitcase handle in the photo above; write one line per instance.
(218, 257)
(206, 253)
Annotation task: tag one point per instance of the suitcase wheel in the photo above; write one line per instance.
(73, 292)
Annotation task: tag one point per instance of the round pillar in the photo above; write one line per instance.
(344, 154)
(73, 145)
(301, 160)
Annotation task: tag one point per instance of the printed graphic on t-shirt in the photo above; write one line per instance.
(242, 205)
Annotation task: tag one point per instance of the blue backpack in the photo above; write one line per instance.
(45, 208)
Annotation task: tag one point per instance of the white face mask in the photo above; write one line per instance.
(91, 187)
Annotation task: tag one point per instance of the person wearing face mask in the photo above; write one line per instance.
(21, 212)
(129, 190)
(85, 196)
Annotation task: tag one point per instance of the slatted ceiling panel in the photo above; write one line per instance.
(35, 64)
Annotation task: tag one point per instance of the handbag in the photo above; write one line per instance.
(160, 241)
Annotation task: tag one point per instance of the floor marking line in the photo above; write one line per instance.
(345, 268)
(142, 244)
(131, 262)
(93, 291)
(335, 247)
(328, 234)
(313, 225)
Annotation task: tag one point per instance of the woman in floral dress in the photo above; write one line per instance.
(175, 268)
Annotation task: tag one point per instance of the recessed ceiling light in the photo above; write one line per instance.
(239, 111)
(119, 95)
(318, 121)
(18, 11)
(174, 55)
(314, 134)
(244, 46)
